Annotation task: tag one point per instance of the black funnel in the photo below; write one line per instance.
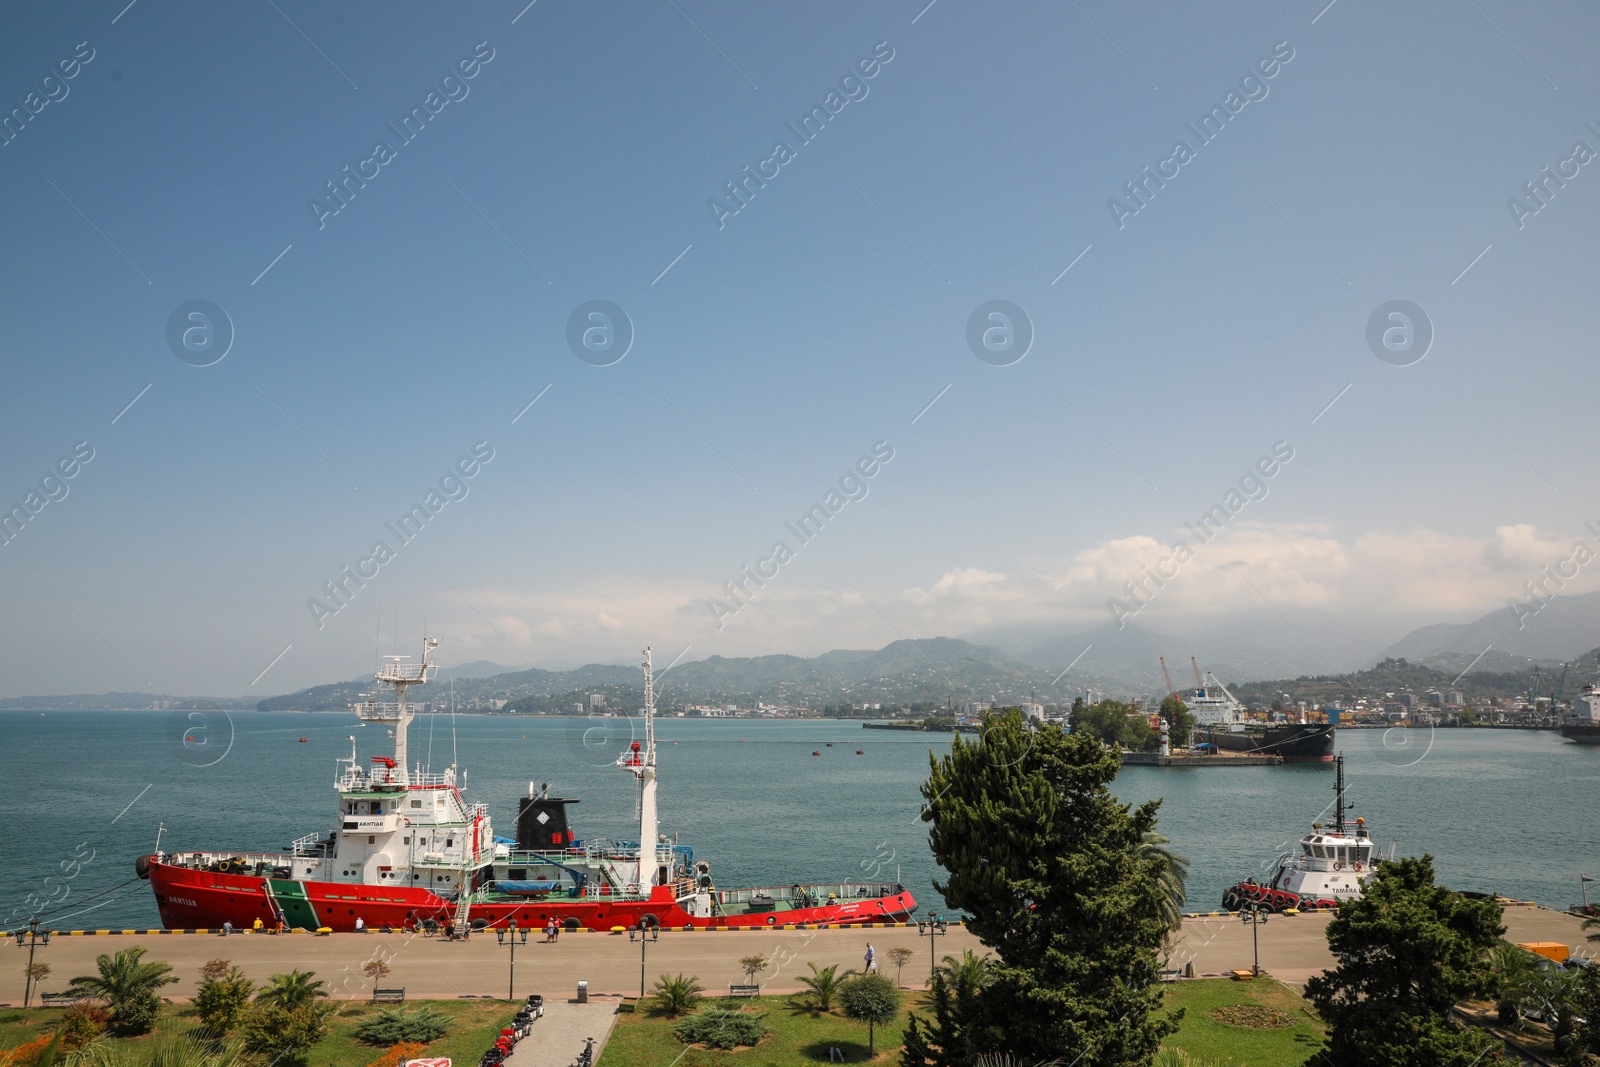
(542, 824)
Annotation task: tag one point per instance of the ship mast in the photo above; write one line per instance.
(641, 761)
(402, 675)
(1338, 788)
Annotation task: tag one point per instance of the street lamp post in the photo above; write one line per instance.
(31, 936)
(1583, 887)
(644, 935)
(1253, 916)
(932, 930)
(509, 936)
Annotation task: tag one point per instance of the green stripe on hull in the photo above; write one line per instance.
(297, 909)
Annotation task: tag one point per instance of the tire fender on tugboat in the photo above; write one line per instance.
(141, 866)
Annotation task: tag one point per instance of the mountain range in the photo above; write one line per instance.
(1002, 665)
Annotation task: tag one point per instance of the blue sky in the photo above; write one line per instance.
(375, 350)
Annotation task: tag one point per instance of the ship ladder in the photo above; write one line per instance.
(272, 903)
(463, 910)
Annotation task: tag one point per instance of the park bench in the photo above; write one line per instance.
(396, 996)
(743, 991)
(48, 999)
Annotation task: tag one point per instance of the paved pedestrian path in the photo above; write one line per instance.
(557, 1039)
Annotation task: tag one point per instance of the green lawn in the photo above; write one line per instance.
(799, 1036)
(1202, 1035)
(475, 1025)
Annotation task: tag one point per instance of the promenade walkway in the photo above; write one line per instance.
(1293, 948)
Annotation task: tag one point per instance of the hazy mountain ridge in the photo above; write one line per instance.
(931, 670)
(1562, 628)
(1005, 665)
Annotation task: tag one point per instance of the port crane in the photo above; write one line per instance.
(1171, 690)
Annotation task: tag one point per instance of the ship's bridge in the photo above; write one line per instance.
(1332, 850)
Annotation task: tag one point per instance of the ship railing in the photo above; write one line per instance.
(404, 672)
(376, 711)
(617, 850)
(360, 779)
(815, 894)
(309, 845)
(199, 860)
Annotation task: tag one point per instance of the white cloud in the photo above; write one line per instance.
(1296, 568)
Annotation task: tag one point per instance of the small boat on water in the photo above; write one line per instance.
(1332, 864)
(408, 850)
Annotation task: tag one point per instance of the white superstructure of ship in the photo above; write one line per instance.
(1333, 863)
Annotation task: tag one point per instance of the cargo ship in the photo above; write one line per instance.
(1582, 723)
(408, 850)
(1219, 721)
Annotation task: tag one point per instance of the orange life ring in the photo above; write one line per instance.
(1356, 866)
(1338, 865)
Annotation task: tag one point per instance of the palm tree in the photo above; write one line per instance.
(1172, 876)
(1554, 989)
(964, 976)
(675, 995)
(824, 984)
(127, 986)
(1515, 970)
(172, 1050)
(293, 990)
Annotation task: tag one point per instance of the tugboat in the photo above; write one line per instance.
(1582, 723)
(409, 851)
(1219, 720)
(1333, 864)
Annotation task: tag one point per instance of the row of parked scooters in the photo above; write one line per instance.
(520, 1027)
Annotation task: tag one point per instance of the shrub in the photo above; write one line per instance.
(81, 1024)
(397, 1054)
(675, 995)
(393, 1026)
(724, 1028)
(280, 1033)
(1177, 1057)
(135, 1013)
(223, 993)
(38, 1051)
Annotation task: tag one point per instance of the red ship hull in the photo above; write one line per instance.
(201, 899)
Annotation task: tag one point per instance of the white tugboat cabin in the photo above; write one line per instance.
(1332, 864)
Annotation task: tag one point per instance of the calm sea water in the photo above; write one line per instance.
(1503, 811)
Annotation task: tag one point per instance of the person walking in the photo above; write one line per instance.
(549, 931)
(872, 960)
